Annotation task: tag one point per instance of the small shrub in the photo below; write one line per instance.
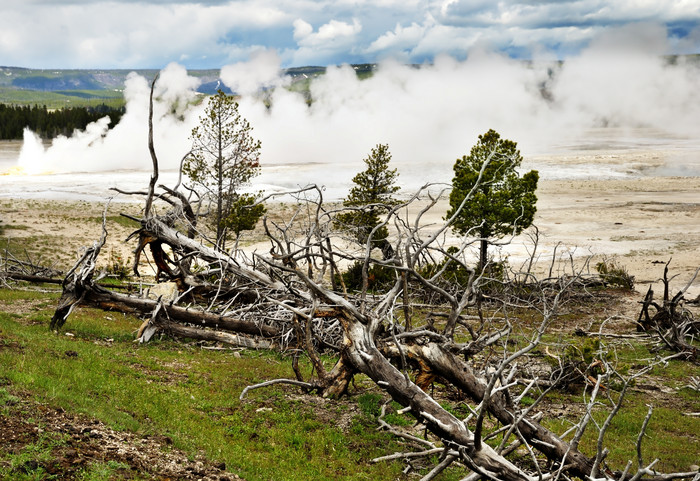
(579, 364)
(457, 276)
(454, 273)
(398, 419)
(377, 277)
(370, 404)
(585, 350)
(117, 266)
(615, 275)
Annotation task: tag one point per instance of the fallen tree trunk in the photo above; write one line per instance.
(479, 456)
(114, 301)
(444, 364)
(161, 232)
(16, 276)
(212, 335)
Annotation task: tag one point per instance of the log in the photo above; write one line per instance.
(212, 335)
(447, 366)
(367, 359)
(108, 300)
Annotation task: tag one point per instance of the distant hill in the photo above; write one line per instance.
(59, 80)
(60, 88)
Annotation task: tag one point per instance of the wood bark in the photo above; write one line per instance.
(444, 364)
(114, 301)
(366, 358)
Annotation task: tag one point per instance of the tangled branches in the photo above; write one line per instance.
(437, 318)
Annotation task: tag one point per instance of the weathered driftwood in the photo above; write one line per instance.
(446, 365)
(18, 276)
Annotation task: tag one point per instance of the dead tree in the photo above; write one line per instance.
(26, 269)
(288, 298)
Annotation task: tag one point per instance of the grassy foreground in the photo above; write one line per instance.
(189, 396)
(182, 392)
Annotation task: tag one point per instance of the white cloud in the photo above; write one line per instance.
(129, 36)
(399, 39)
(323, 46)
(211, 33)
(302, 29)
(330, 34)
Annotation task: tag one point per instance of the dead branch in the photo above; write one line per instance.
(674, 325)
(285, 299)
(247, 389)
(152, 151)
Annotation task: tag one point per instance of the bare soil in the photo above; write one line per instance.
(78, 442)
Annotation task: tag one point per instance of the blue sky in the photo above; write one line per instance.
(214, 33)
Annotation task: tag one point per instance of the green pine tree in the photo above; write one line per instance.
(224, 158)
(369, 197)
(503, 201)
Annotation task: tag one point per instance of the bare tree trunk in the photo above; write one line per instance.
(368, 359)
(447, 366)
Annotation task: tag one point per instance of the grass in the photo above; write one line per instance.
(60, 99)
(101, 471)
(671, 435)
(117, 219)
(190, 395)
(27, 464)
(187, 394)
(39, 249)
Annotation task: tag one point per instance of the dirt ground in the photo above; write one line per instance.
(78, 443)
(638, 223)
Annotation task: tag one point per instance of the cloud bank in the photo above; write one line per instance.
(429, 115)
(211, 33)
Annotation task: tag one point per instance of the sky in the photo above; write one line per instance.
(133, 34)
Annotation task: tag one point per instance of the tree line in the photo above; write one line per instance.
(51, 123)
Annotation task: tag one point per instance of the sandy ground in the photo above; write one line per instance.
(53, 233)
(631, 197)
(638, 223)
(643, 222)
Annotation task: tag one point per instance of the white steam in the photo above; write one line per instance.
(429, 116)
(261, 72)
(125, 146)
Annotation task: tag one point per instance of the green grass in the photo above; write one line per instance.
(15, 227)
(187, 394)
(671, 435)
(60, 99)
(118, 219)
(39, 249)
(27, 464)
(100, 471)
(191, 395)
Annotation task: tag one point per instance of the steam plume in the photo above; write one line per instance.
(429, 116)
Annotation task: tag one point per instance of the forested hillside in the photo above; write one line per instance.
(51, 123)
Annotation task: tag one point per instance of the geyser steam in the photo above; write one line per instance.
(429, 116)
